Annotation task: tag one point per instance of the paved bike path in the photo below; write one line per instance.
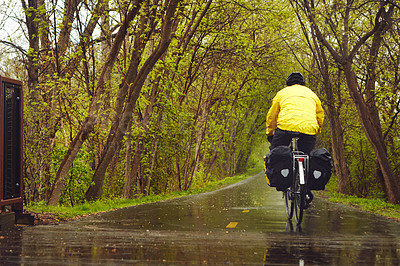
(241, 224)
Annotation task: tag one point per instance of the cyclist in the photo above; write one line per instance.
(296, 111)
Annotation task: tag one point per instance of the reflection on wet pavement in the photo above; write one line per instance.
(242, 224)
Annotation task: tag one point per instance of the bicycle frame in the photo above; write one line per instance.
(302, 161)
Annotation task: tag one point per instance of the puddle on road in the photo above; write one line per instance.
(192, 230)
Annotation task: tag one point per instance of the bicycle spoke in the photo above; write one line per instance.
(299, 201)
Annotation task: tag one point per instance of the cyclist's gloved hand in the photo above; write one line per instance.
(270, 138)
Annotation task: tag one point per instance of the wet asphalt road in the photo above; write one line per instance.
(193, 230)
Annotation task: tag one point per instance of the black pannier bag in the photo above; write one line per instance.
(278, 168)
(320, 169)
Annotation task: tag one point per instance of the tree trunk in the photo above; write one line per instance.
(139, 44)
(153, 153)
(132, 173)
(383, 20)
(32, 24)
(333, 113)
(94, 108)
(338, 152)
(373, 136)
(202, 124)
(94, 191)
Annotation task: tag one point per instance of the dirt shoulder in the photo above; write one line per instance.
(48, 218)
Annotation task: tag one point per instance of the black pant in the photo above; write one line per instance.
(305, 143)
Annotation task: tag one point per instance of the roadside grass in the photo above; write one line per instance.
(104, 205)
(377, 206)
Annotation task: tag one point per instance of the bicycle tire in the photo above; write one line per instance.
(299, 201)
(289, 203)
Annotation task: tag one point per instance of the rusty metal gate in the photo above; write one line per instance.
(11, 145)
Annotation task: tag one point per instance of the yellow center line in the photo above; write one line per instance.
(232, 225)
(246, 211)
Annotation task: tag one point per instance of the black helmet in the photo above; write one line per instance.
(295, 78)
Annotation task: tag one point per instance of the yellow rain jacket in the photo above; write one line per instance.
(295, 108)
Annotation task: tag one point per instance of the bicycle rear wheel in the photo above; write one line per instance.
(289, 203)
(299, 201)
